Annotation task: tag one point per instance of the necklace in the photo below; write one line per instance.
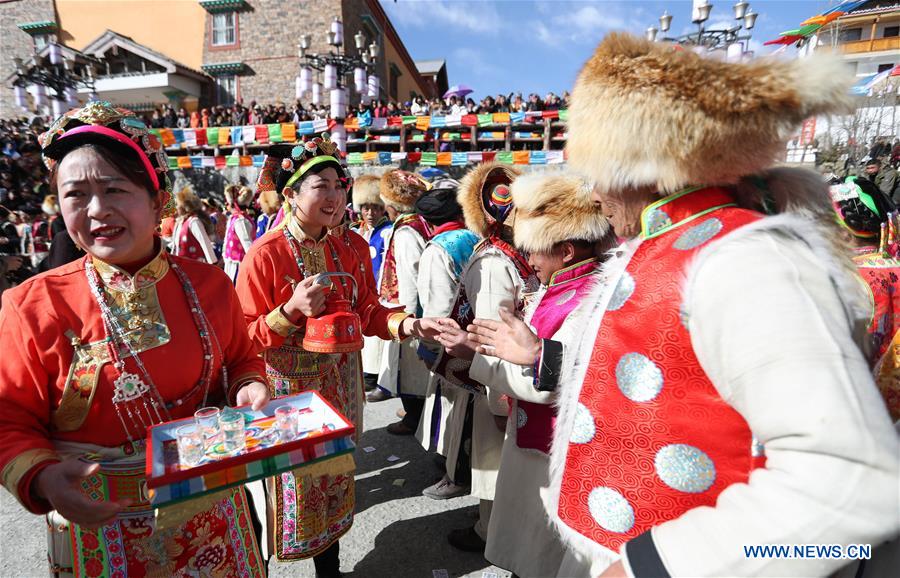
(137, 395)
(303, 273)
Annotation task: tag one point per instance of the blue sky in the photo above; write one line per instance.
(539, 46)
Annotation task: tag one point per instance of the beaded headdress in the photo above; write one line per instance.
(287, 164)
(860, 207)
(99, 122)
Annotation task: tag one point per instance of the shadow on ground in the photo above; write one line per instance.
(418, 546)
(376, 476)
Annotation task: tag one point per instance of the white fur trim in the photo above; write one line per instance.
(576, 359)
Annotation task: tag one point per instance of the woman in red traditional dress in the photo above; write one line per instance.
(865, 215)
(312, 507)
(96, 351)
(193, 228)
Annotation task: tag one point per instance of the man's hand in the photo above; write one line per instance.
(308, 300)
(60, 484)
(510, 339)
(455, 341)
(255, 393)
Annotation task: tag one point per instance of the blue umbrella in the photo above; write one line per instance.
(432, 172)
(459, 90)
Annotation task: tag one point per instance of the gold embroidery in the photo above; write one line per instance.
(279, 323)
(135, 302)
(394, 322)
(312, 252)
(20, 465)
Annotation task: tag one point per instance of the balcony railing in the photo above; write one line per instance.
(871, 45)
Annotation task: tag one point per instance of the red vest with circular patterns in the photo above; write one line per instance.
(652, 438)
(188, 245)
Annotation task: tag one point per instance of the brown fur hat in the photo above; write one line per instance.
(471, 194)
(647, 114)
(366, 191)
(243, 195)
(269, 201)
(551, 209)
(400, 189)
(188, 202)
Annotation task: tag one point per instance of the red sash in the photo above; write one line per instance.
(389, 290)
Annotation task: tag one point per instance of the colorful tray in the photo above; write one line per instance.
(324, 433)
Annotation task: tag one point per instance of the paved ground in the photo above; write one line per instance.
(397, 532)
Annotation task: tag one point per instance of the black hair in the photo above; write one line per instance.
(129, 165)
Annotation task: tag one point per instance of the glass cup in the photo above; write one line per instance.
(287, 420)
(207, 419)
(190, 445)
(233, 434)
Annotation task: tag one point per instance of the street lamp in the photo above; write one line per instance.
(710, 39)
(750, 19)
(665, 21)
(335, 66)
(61, 75)
(703, 11)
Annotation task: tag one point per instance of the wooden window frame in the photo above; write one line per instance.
(237, 33)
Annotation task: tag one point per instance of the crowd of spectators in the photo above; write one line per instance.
(24, 226)
(240, 114)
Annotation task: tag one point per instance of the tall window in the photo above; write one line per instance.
(226, 89)
(40, 41)
(224, 29)
(393, 80)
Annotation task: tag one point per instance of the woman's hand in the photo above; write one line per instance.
(308, 300)
(255, 393)
(428, 328)
(510, 339)
(455, 341)
(60, 484)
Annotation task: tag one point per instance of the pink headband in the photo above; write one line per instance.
(119, 137)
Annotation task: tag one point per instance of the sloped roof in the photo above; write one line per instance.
(109, 38)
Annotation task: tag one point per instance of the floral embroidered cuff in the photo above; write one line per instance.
(19, 474)
(279, 323)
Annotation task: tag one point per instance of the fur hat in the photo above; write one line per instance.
(188, 201)
(482, 178)
(236, 193)
(400, 189)
(269, 201)
(551, 209)
(650, 114)
(366, 192)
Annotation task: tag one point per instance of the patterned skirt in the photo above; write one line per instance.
(209, 536)
(310, 508)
